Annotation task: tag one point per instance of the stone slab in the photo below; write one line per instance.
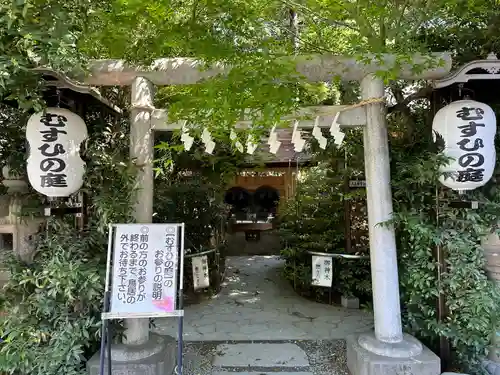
(350, 302)
(492, 367)
(260, 355)
(157, 357)
(259, 373)
(363, 362)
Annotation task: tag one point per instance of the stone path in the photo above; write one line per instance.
(269, 244)
(256, 303)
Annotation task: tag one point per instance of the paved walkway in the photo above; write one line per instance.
(257, 304)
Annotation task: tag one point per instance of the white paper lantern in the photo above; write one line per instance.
(55, 168)
(468, 130)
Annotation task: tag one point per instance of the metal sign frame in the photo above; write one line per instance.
(106, 315)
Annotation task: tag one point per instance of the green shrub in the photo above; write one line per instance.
(315, 221)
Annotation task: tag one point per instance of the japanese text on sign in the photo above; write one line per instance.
(200, 272)
(322, 272)
(145, 268)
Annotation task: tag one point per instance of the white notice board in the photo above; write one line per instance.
(201, 278)
(143, 275)
(322, 272)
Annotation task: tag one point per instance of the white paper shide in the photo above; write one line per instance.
(55, 168)
(467, 128)
(322, 272)
(144, 272)
(201, 277)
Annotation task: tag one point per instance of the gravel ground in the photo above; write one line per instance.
(326, 357)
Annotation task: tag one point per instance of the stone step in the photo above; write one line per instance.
(299, 357)
(259, 373)
(286, 356)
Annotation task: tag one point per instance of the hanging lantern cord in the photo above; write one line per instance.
(58, 93)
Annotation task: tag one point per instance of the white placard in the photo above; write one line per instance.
(54, 166)
(144, 270)
(201, 277)
(357, 183)
(322, 272)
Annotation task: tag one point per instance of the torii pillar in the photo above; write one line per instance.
(386, 351)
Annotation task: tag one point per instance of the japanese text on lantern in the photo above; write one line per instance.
(53, 165)
(472, 159)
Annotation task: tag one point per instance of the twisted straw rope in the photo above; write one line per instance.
(357, 105)
(364, 102)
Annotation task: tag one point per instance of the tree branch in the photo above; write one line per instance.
(402, 102)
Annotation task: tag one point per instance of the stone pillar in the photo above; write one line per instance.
(383, 257)
(141, 352)
(141, 150)
(387, 350)
(491, 247)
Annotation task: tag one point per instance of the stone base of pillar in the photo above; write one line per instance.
(492, 367)
(361, 361)
(156, 357)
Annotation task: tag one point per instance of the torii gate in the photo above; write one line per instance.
(385, 351)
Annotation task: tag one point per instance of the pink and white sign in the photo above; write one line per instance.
(144, 270)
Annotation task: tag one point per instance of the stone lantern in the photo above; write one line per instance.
(17, 233)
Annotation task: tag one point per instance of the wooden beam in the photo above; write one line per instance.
(64, 82)
(347, 118)
(490, 66)
(315, 68)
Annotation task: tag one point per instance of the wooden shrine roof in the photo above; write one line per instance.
(285, 156)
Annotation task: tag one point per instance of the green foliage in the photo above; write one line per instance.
(197, 204)
(423, 223)
(254, 36)
(38, 33)
(12, 149)
(471, 299)
(315, 221)
(53, 304)
(189, 189)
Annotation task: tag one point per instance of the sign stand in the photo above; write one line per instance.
(180, 304)
(105, 331)
(105, 339)
(147, 250)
